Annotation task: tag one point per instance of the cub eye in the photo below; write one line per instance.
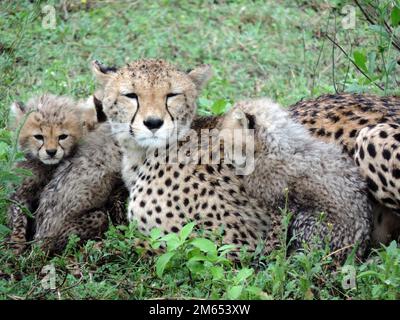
(131, 96)
(170, 95)
(38, 137)
(62, 137)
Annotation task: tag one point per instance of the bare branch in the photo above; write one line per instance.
(352, 61)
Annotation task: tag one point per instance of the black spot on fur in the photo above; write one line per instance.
(362, 153)
(372, 185)
(383, 134)
(371, 150)
(339, 133)
(371, 168)
(383, 179)
(352, 133)
(386, 154)
(175, 229)
(396, 173)
(397, 136)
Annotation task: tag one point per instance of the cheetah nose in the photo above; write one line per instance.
(153, 123)
(51, 152)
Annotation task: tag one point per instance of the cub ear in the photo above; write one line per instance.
(102, 72)
(235, 118)
(17, 110)
(200, 75)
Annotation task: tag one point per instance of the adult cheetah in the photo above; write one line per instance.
(366, 128)
(148, 103)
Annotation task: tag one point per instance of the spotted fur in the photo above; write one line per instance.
(52, 127)
(362, 125)
(317, 177)
(168, 195)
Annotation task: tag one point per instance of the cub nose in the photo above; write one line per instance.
(51, 152)
(153, 123)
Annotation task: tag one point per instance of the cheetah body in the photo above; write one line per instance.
(366, 127)
(167, 194)
(317, 176)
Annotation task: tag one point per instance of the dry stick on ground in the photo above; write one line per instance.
(352, 61)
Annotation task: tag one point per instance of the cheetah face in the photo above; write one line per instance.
(51, 128)
(150, 102)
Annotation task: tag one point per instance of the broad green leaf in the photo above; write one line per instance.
(195, 266)
(205, 245)
(254, 290)
(227, 247)
(155, 233)
(395, 16)
(361, 60)
(219, 106)
(172, 241)
(217, 272)
(243, 275)
(186, 231)
(234, 292)
(162, 262)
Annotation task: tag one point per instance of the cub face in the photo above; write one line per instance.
(150, 101)
(52, 127)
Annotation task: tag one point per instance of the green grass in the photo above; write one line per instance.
(260, 48)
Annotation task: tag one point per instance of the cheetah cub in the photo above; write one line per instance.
(51, 128)
(321, 182)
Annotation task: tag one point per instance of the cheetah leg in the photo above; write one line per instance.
(89, 226)
(19, 224)
(378, 157)
(386, 226)
(116, 205)
(308, 229)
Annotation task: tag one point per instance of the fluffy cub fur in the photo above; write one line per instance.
(86, 191)
(52, 127)
(318, 178)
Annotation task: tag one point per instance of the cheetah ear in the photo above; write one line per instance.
(101, 116)
(200, 75)
(102, 72)
(17, 110)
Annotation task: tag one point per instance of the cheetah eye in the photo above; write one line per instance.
(62, 137)
(131, 95)
(171, 95)
(38, 137)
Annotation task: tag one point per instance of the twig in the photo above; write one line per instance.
(371, 21)
(337, 251)
(352, 61)
(333, 62)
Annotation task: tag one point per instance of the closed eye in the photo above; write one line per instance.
(62, 137)
(38, 137)
(171, 95)
(131, 95)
